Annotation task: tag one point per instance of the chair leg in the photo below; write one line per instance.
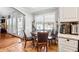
(37, 49)
(33, 43)
(49, 42)
(25, 44)
(46, 48)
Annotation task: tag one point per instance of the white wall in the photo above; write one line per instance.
(28, 24)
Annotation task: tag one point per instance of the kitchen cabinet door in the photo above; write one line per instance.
(68, 12)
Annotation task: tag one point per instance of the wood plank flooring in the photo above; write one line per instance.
(9, 43)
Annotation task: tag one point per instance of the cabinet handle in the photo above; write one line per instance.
(67, 39)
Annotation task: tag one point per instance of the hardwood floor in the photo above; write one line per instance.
(9, 43)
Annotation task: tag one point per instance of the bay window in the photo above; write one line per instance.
(45, 22)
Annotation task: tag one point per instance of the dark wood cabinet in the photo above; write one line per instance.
(3, 25)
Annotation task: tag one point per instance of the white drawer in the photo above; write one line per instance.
(68, 42)
(72, 43)
(68, 50)
(64, 48)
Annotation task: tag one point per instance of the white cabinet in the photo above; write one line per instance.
(68, 12)
(67, 45)
(78, 12)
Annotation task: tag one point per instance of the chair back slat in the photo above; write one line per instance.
(42, 36)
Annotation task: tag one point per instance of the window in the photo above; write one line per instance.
(49, 21)
(45, 22)
(39, 23)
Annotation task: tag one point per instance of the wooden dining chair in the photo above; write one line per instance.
(53, 37)
(27, 39)
(42, 41)
(56, 37)
(34, 36)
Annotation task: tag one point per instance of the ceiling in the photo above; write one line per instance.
(4, 11)
(7, 10)
(35, 9)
